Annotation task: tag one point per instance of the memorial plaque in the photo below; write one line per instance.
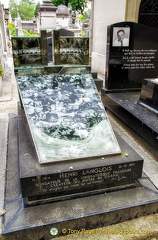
(74, 50)
(132, 53)
(70, 50)
(66, 117)
(85, 180)
(29, 50)
(26, 51)
(149, 95)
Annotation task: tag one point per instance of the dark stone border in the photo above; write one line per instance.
(125, 106)
(87, 212)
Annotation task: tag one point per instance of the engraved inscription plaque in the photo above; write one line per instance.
(84, 180)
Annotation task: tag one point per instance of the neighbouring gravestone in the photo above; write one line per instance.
(132, 53)
(64, 32)
(29, 50)
(149, 95)
(131, 70)
(70, 50)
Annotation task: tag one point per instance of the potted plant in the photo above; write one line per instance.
(1, 75)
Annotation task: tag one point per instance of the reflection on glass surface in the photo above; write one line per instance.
(155, 80)
(66, 117)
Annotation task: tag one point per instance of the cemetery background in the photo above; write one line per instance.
(145, 154)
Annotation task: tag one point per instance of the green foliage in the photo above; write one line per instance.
(26, 9)
(1, 70)
(29, 33)
(12, 29)
(83, 17)
(36, 8)
(82, 33)
(93, 120)
(62, 132)
(77, 6)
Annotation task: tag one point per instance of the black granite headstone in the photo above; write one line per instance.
(149, 95)
(132, 53)
(65, 32)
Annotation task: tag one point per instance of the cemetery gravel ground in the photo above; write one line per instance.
(143, 223)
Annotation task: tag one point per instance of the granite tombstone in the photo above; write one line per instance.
(132, 53)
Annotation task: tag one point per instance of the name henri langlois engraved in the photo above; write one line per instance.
(86, 172)
(84, 178)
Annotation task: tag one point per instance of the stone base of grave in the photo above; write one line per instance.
(87, 211)
(125, 106)
(72, 178)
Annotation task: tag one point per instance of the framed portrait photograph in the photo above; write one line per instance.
(121, 37)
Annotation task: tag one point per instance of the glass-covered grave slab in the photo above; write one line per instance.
(66, 117)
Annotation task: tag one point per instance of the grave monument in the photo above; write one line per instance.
(136, 59)
(70, 50)
(65, 165)
(28, 51)
(50, 41)
(131, 65)
(71, 129)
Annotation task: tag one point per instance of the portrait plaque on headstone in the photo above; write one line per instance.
(132, 53)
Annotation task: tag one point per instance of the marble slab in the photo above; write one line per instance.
(66, 117)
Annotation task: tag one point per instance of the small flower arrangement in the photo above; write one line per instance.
(1, 70)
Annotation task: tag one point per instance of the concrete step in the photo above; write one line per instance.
(94, 74)
(3, 148)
